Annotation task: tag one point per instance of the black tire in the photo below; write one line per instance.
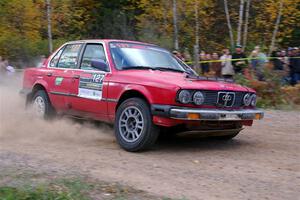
(227, 137)
(49, 110)
(149, 132)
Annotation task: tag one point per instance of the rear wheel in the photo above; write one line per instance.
(41, 105)
(134, 128)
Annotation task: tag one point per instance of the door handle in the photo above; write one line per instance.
(49, 74)
(76, 76)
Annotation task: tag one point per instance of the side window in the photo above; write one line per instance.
(92, 53)
(69, 56)
(53, 62)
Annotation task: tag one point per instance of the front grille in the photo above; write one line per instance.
(211, 98)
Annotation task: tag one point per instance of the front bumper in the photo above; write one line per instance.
(219, 115)
(209, 114)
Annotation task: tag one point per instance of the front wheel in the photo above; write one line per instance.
(134, 128)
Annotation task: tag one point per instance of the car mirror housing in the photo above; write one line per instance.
(100, 65)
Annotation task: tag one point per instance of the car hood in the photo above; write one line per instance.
(165, 78)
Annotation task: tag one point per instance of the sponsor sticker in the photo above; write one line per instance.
(90, 86)
(58, 80)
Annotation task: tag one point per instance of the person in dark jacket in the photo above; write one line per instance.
(277, 61)
(295, 66)
(239, 65)
(204, 65)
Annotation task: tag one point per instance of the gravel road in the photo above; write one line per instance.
(263, 162)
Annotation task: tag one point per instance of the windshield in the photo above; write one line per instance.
(133, 56)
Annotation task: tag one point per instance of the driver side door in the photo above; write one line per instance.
(90, 86)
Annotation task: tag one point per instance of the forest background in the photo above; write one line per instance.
(186, 25)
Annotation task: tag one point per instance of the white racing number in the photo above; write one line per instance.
(98, 78)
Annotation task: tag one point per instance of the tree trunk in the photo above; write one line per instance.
(165, 10)
(241, 15)
(245, 37)
(277, 23)
(196, 48)
(50, 44)
(229, 24)
(176, 45)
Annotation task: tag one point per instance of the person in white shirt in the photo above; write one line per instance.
(227, 68)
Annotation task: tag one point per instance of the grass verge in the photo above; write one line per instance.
(16, 185)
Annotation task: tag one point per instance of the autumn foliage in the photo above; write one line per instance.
(23, 30)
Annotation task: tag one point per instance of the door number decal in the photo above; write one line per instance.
(90, 86)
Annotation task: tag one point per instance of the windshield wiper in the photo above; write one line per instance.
(137, 67)
(153, 68)
(169, 69)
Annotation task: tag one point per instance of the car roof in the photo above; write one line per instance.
(108, 40)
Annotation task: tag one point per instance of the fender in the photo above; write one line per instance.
(120, 89)
(29, 92)
(41, 82)
(139, 88)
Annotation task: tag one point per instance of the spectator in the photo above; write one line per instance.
(208, 58)
(284, 73)
(257, 65)
(178, 55)
(284, 59)
(10, 70)
(3, 65)
(294, 65)
(227, 68)
(290, 51)
(254, 60)
(204, 65)
(239, 65)
(5, 62)
(277, 61)
(262, 57)
(216, 66)
(41, 61)
(187, 56)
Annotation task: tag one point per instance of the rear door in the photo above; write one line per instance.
(62, 76)
(91, 85)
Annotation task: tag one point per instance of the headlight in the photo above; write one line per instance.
(247, 99)
(198, 98)
(184, 97)
(253, 100)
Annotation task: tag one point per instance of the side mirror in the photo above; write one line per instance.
(100, 64)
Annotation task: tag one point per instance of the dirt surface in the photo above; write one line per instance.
(263, 162)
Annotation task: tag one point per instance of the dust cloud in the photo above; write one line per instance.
(19, 124)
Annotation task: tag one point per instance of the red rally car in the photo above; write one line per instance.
(140, 88)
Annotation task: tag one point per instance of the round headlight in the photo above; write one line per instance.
(198, 98)
(253, 100)
(247, 99)
(184, 96)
